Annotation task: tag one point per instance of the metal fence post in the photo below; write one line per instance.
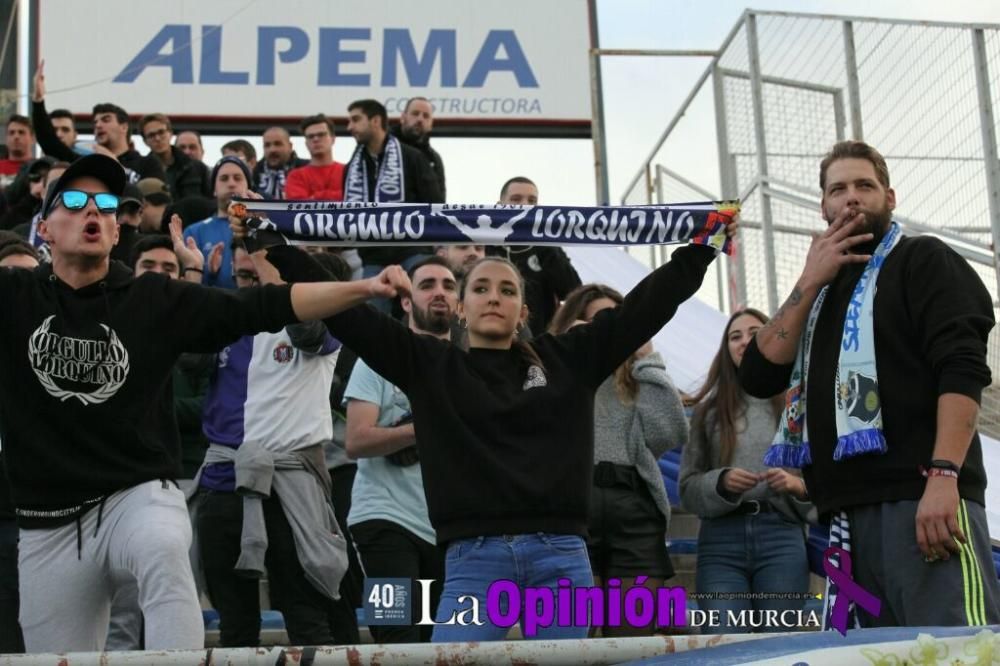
(597, 128)
(757, 92)
(597, 131)
(988, 126)
(735, 265)
(853, 87)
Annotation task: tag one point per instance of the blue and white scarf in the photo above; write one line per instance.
(335, 223)
(390, 183)
(858, 404)
(271, 182)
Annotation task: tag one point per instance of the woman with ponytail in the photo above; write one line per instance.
(638, 416)
(752, 535)
(505, 430)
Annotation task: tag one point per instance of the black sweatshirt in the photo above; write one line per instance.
(498, 458)
(932, 319)
(85, 402)
(420, 185)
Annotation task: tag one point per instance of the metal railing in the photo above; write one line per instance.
(785, 86)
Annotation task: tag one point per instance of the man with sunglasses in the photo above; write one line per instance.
(90, 439)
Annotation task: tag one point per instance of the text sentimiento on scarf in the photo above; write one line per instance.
(402, 224)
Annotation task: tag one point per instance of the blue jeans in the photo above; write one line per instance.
(751, 553)
(529, 560)
(371, 270)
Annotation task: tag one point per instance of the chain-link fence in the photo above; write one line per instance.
(784, 87)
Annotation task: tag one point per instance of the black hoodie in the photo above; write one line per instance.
(85, 403)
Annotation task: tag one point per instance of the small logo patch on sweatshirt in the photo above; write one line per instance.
(535, 378)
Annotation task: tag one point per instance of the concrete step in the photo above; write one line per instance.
(684, 562)
(683, 525)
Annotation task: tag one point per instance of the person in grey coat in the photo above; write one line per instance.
(752, 536)
(638, 416)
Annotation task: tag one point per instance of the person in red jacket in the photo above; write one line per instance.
(20, 142)
(322, 178)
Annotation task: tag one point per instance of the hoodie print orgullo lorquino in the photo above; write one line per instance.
(86, 405)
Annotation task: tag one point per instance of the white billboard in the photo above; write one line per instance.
(512, 63)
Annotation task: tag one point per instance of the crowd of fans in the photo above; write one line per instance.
(341, 493)
(172, 219)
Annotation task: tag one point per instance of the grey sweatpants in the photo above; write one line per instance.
(886, 561)
(66, 592)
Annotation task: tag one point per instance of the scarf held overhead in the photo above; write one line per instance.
(354, 224)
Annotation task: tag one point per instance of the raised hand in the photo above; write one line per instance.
(238, 214)
(215, 258)
(186, 250)
(391, 282)
(733, 226)
(832, 249)
(38, 83)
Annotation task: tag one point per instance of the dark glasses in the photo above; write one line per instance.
(77, 200)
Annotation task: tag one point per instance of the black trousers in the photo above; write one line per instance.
(389, 550)
(11, 640)
(306, 610)
(345, 616)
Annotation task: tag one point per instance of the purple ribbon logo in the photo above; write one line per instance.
(847, 590)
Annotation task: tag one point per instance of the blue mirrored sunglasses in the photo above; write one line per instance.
(77, 200)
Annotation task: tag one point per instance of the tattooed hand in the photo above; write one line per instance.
(831, 250)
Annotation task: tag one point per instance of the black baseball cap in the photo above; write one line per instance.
(131, 198)
(103, 168)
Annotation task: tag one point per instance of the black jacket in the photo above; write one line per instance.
(932, 319)
(433, 157)
(507, 448)
(86, 405)
(187, 177)
(128, 236)
(20, 212)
